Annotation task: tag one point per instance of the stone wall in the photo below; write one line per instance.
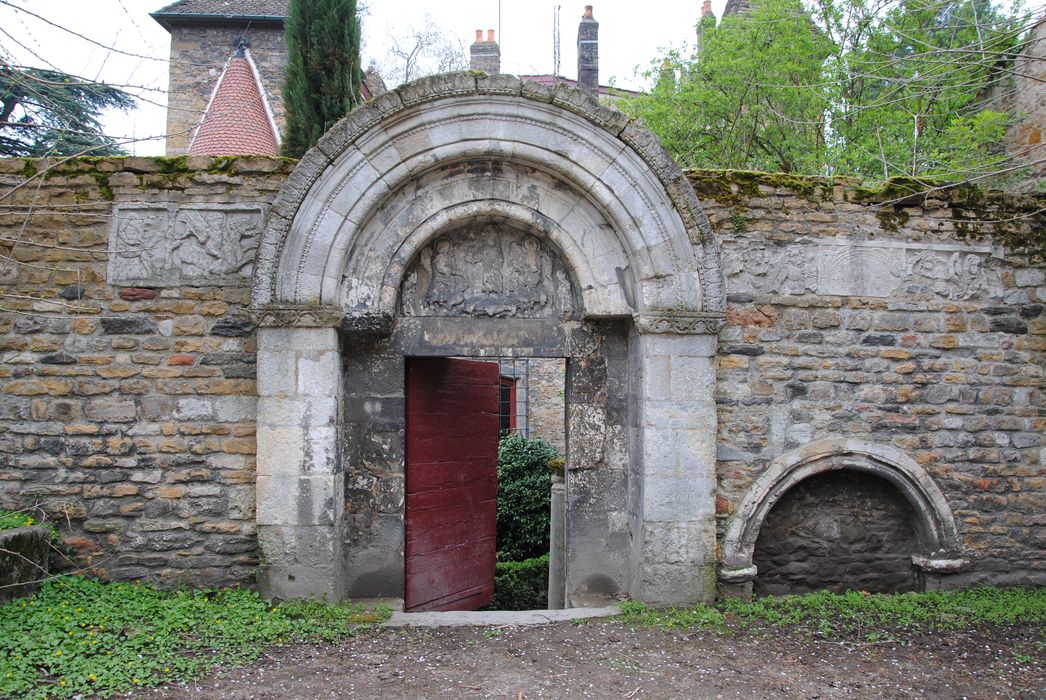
(863, 314)
(1028, 104)
(546, 397)
(127, 412)
(128, 409)
(198, 57)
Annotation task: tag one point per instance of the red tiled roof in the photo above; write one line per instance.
(236, 122)
(227, 8)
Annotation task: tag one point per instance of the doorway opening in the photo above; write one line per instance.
(460, 553)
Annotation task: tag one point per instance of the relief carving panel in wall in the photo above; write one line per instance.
(488, 271)
(861, 268)
(168, 245)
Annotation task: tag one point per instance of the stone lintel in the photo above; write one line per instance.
(303, 316)
(680, 322)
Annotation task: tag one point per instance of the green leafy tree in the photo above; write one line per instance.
(752, 98)
(49, 113)
(919, 82)
(875, 88)
(322, 79)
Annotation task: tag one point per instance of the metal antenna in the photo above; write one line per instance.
(555, 44)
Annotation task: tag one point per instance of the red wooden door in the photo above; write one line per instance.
(452, 454)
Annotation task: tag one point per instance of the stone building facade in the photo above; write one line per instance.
(203, 359)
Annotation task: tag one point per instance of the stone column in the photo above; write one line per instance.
(300, 481)
(673, 519)
(557, 573)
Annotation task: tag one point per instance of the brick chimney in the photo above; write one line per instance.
(706, 23)
(485, 55)
(588, 51)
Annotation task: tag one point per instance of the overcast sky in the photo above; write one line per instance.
(630, 34)
(120, 44)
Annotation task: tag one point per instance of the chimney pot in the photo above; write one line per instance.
(485, 55)
(588, 51)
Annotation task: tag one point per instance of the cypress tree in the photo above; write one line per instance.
(322, 80)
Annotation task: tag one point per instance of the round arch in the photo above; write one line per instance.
(439, 156)
(458, 145)
(936, 533)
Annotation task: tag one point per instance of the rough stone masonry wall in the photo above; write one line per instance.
(859, 314)
(127, 411)
(1028, 104)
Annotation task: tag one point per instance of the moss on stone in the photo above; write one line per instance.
(734, 187)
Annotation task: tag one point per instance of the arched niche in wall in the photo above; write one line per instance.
(938, 547)
(475, 156)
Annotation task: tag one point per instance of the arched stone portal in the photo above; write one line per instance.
(473, 155)
(939, 550)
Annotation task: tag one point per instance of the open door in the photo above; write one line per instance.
(452, 454)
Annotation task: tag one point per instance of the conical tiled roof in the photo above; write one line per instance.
(237, 121)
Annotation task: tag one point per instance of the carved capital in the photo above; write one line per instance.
(680, 323)
(368, 324)
(298, 316)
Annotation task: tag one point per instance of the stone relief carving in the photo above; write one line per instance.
(163, 246)
(956, 276)
(488, 271)
(860, 268)
(680, 323)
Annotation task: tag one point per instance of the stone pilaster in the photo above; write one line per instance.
(674, 510)
(300, 482)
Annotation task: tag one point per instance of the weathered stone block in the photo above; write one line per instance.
(129, 325)
(24, 560)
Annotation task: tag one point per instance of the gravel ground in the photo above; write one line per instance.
(612, 659)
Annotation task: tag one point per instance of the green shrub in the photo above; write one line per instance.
(524, 484)
(521, 585)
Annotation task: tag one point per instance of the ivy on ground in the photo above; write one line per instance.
(829, 613)
(77, 636)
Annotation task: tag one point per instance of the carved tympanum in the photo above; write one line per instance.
(488, 271)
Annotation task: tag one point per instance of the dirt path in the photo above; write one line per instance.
(611, 659)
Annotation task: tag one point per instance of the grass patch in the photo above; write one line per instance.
(855, 611)
(79, 636)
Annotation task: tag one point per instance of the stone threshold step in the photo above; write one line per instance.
(496, 618)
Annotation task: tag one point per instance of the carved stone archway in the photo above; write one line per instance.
(452, 152)
(938, 539)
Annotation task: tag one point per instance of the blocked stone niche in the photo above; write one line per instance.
(839, 530)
